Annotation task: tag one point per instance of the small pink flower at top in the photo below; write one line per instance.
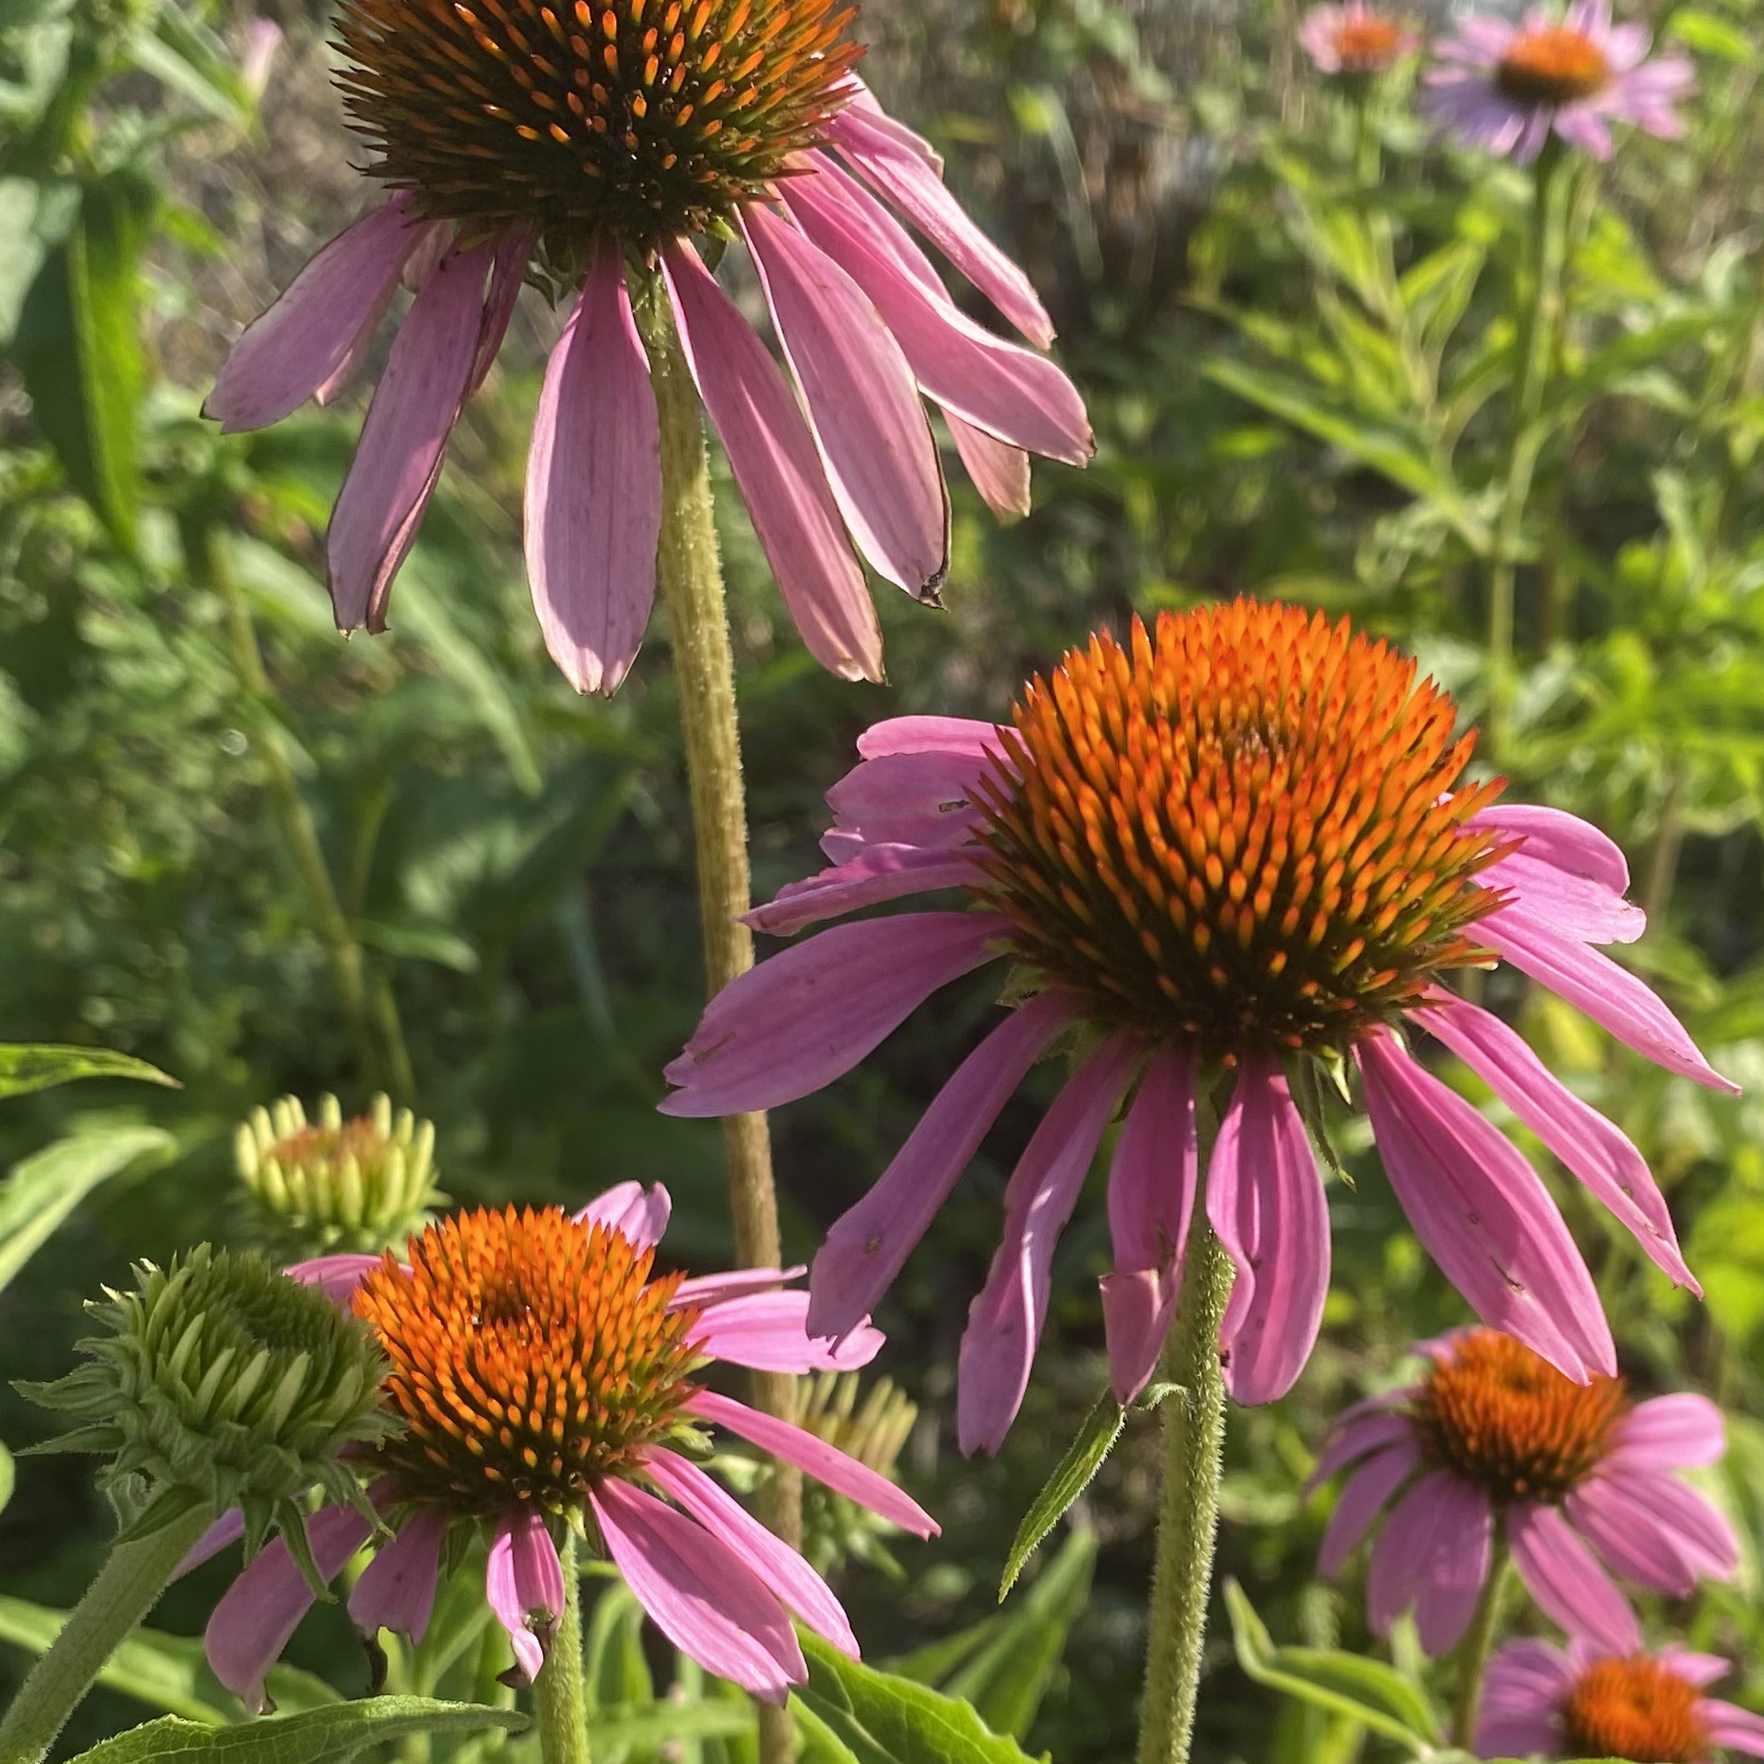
(1540, 1701)
(1229, 855)
(1505, 86)
(544, 1380)
(1355, 40)
(1493, 1444)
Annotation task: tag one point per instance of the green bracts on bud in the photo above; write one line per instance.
(874, 1432)
(332, 1185)
(222, 1382)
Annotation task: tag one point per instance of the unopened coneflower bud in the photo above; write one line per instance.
(873, 1430)
(335, 1185)
(222, 1382)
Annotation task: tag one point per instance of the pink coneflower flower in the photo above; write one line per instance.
(544, 1380)
(587, 148)
(1575, 1477)
(1355, 40)
(1542, 1701)
(1505, 86)
(1231, 855)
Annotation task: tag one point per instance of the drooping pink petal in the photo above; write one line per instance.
(775, 463)
(404, 440)
(814, 1457)
(397, 1588)
(1612, 996)
(336, 1276)
(806, 1016)
(712, 1289)
(640, 1215)
(262, 1608)
(336, 302)
(1567, 873)
(702, 1596)
(1729, 1725)
(1570, 1587)
(869, 1244)
(864, 99)
(1653, 1530)
(924, 799)
(523, 1585)
(1672, 1432)
(999, 471)
(765, 1331)
(1362, 1499)
(1358, 1437)
(225, 1531)
(593, 499)
(1433, 1553)
(1482, 1213)
(876, 874)
(1595, 1149)
(1006, 1318)
(773, 1560)
(508, 274)
(961, 735)
(1265, 1200)
(1522, 1696)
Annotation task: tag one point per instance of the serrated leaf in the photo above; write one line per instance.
(1072, 1475)
(317, 1736)
(25, 1067)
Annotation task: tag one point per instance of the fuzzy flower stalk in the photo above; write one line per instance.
(599, 148)
(550, 1388)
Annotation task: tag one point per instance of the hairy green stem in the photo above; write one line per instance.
(127, 1588)
(560, 1705)
(690, 578)
(1474, 1650)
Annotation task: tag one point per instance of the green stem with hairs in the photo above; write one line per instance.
(560, 1704)
(127, 1588)
(1476, 1647)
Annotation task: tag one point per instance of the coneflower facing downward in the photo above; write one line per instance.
(583, 145)
(1238, 847)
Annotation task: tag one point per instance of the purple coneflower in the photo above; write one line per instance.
(1541, 1701)
(543, 1379)
(1355, 40)
(1505, 86)
(578, 146)
(1228, 856)
(1576, 1479)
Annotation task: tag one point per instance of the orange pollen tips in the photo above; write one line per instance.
(530, 1356)
(1367, 44)
(1552, 65)
(1502, 1417)
(638, 120)
(1242, 829)
(1639, 1709)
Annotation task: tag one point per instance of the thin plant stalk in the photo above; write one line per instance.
(560, 1703)
(1474, 1652)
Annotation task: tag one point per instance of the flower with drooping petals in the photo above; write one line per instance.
(1577, 1478)
(587, 148)
(1505, 87)
(1355, 40)
(1230, 854)
(1581, 1702)
(543, 1380)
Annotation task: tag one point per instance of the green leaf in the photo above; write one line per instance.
(8, 1478)
(647, 1726)
(1709, 35)
(26, 1067)
(1367, 1691)
(46, 1187)
(315, 1737)
(880, 1719)
(34, 219)
(1071, 1476)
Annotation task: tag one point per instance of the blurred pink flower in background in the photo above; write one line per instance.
(1354, 39)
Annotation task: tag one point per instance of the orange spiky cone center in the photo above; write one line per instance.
(634, 120)
(1639, 1709)
(1552, 65)
(530, 1356)
(1244, 829)
(1504, 1418)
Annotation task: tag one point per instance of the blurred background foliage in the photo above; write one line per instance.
(272, 862)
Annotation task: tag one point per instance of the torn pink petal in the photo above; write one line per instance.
(508, 274)
(765, 1331)
(924, 799)
(999, 471)
(1570, 1588)
(397, 1588)
(639, 1215)
(523, 1585)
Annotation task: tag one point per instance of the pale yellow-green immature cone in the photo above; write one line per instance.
(870, 1421)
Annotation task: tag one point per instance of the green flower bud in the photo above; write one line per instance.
(220, 1381)
(334, 1185)
(874, 1432)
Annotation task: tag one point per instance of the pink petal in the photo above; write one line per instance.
(508, 273)
(863, 405)
(1653, 1530)
(1363, 1497)
(876, 874)
(338, 1276)
(814, 1457)
(1610, 995)
(397, 1588)
(914, 188)
(775, 464)
(1595, 1149)
(1566, 870)
(869, 1244)
(1005, 1320)
(806, 1016)
(320, 325)
(1671, 1433)
(263, 1607)
(712, 1289)
(999, 471)
(773, 1560)
(1570, 1588)
(1358, 1436)
(1433, 1553)
(639, 1215)
(523, 1583)
(594, 488)
(960, 735)
(1265, 1200)
(923, 799)
(1731, 1726)
(404, 440)
(1482, 1213)
(226, 1530)
(703, 1597)
(765, 1331)
(1695, 1668)
(1522, 1697)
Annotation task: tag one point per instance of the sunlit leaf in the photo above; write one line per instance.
(26, 1067)
(1071, 1476)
